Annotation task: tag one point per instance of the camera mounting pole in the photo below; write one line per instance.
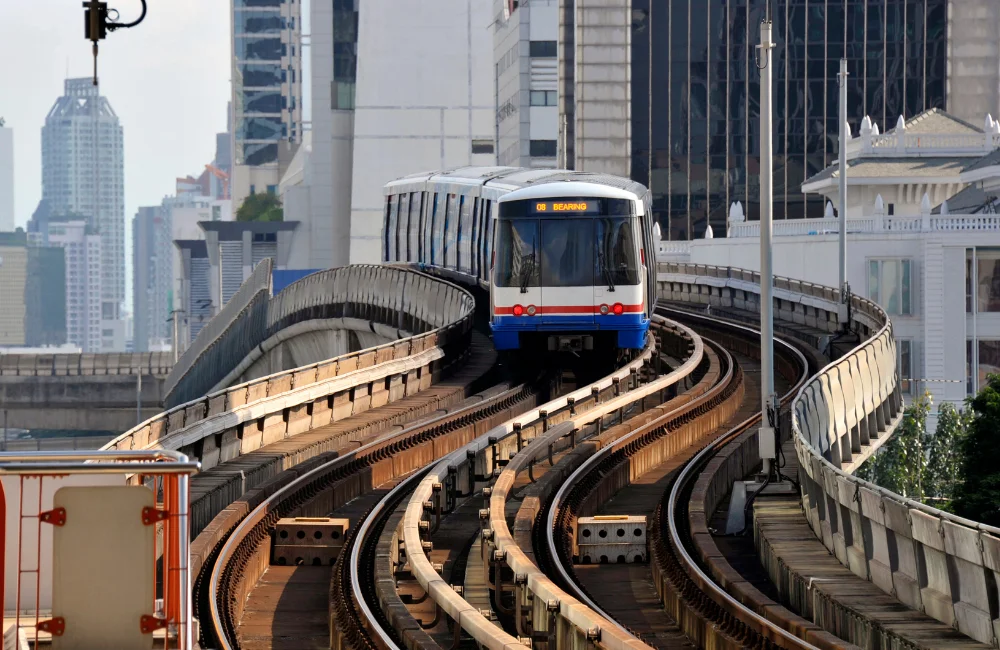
(97, 25)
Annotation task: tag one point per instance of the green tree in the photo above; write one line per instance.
(944, 465)
(260, 207)
(977, 497)
(901, 462)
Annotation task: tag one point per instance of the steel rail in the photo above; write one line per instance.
(704, 582)
(241, 531)
(587, 466)
(469, 618)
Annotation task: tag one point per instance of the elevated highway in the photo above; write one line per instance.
(100, 392)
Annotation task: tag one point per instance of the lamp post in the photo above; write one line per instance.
(767, 440)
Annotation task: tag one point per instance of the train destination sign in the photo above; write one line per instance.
(578, 206)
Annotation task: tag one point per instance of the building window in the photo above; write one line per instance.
(482, 146)
(905, 355)
(543, 98)
(272, 189)
(542, 48)
(253, 189)
(889, 285)
(892, 209)
(988, 363)
(543, 148)
(987, 272)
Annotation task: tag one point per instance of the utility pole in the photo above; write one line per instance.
(842, 311)
(767, 440)
(138, 397)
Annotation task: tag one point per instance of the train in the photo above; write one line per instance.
(568, 257)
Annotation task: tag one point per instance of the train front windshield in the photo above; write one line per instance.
(566, 252)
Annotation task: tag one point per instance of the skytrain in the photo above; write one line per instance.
(562, 253)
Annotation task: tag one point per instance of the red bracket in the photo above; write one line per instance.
(56, 517)
(152, 515)
(149, 624)
(54, 626)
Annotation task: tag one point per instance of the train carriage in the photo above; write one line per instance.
(563, 254)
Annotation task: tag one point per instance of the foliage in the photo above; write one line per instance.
(260, 207)
(900, 465)
(944, 466)
(977, 497)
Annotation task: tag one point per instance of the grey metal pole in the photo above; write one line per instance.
(138, 397)
(766, 438)
(842, 209)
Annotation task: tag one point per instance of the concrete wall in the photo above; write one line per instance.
(973, 59)
(424, 92)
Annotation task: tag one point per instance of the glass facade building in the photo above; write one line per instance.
(266, 78)
(695, 95)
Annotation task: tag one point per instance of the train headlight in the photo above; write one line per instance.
(531, 310)
(518, 310)
(618, 309)
(604, 310)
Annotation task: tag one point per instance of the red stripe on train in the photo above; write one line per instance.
(567, 309)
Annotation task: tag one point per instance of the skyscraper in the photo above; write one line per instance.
(267, 93)
(152, 266)
(686, 90)
(83, 174)
(6, 178)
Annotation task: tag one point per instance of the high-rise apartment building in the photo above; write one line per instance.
(83, 174)
(267, 92)
(32, 292)
(6, 178)
(83, 259)
(526, 78)
(672, 100)
(152, 266)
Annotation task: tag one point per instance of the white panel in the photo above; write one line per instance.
(102, 542)
(544, 122)
(544, 23)
(29, 536)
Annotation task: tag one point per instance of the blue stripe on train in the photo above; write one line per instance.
(631, 328)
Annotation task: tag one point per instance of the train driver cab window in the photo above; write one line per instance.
(567, 252)
(517, 253)
(616, 262)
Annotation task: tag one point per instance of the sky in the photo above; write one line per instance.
(167, 79)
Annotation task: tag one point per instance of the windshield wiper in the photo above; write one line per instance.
(608, 276)
(527, 270)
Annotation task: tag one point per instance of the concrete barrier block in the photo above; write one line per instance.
(361, 398)
(237, 397)
(210, 453)
(275, 428)
(974, 622)
(926, 530)
(342, 406)
(230, 446)
(279, 385)
(426, 377)
(299, 419)
(304, 377)
(256, 391)
(157, 429)
(252, 438)
(379, 393)
(961, 542)
(326, 370)
(196, 412)
(347, 364)
(175, 420)
(991, 552)
(412, 382)
(321, 412)
(141, 437)
(397, 390)
(366, 359)
(217, 404)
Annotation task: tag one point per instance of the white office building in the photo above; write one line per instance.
(526, 80)
(397, 86)
(83, 250)
(6, 178)
(923, 242)
(83, 174)
(266, 93)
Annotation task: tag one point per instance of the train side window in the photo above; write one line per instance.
(402, 223)
(488, 242)
(389, 236)
(414, 226)
(465, 234)
(451, 232)
(476, 232)
(437, 229)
